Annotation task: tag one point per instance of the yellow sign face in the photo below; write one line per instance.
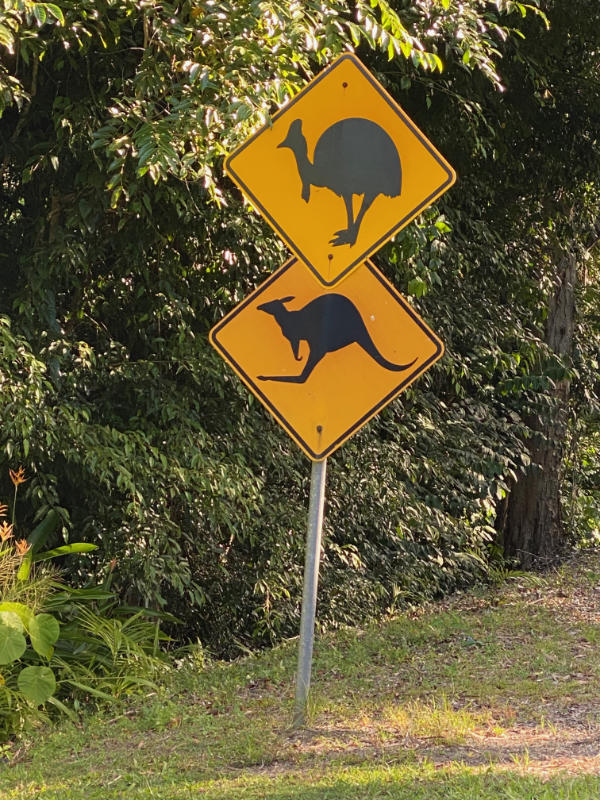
(340, 170)
(324, 361)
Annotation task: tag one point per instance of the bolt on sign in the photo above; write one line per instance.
(339, 170)
(322, 361)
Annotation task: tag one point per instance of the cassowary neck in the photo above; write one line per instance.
(300, 150)
(305, 168)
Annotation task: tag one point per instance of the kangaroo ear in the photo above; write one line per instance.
(286, 299)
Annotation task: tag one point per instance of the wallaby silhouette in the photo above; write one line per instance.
(354, 156)
(327, 323)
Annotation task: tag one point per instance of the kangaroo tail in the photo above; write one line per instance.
(393, 367)
(369, 347)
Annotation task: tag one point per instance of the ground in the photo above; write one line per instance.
(492, 693)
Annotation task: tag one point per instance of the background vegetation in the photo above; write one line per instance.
(122, 243)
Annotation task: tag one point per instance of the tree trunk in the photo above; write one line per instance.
(530, 523)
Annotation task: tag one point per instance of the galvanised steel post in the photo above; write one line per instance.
(309, 592)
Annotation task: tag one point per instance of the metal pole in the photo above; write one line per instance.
(309, 592)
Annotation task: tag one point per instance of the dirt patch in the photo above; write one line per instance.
(522, 749)
(536, 752)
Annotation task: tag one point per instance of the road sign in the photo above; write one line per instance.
(340, 170)
(324, 361)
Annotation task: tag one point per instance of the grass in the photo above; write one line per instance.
(487, 695)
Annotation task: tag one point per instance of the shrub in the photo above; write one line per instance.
(58, 645)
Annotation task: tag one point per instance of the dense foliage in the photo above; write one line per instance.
(121, 243)
(60, 645)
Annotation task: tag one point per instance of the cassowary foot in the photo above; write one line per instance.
(346, 236)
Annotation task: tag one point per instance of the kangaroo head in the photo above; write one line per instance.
(295, 138)
(275, 306)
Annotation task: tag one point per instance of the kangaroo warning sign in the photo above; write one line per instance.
(325, 361)
(339, 170)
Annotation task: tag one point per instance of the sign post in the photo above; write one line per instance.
(326, 342)
(309, 591)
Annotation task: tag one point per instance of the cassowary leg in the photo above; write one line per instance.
(366, 204)
(346, 235)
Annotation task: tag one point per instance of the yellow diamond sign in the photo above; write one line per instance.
(340, 170)
(324, 361)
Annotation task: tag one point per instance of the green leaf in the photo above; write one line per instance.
(6, 37)
(436, 62)
(68, 712)
(40, 533)
(44, 632)
(65, 550)
(23, 612)
(39, 13)
(11, 620)
(114, 198)
(55, 11)
(90, 690)
(35, 540)
(12, 641)
(38, 684)
(417, 287)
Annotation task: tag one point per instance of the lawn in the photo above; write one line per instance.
(491, 694)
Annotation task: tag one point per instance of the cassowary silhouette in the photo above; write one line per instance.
(352, 157)
(327, 323)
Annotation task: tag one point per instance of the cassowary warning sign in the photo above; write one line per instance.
(339, 170)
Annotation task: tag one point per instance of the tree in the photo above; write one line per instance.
(562, 168)
(122, 243)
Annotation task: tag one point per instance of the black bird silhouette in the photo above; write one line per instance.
(352, 157)
(326, 324)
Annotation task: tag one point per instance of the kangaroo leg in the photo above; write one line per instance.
(311, 363)
(295, 343)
